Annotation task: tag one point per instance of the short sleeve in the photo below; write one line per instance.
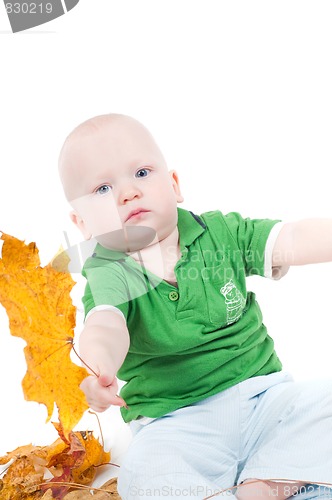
(106, 286)
(251, 236)
(116, 283)
(271, 272)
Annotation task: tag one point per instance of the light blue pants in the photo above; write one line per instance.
(267, 427)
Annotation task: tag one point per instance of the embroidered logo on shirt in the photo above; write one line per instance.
(234, 301)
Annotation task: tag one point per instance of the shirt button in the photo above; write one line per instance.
(173, 296)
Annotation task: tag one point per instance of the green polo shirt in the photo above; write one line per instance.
(190, 342)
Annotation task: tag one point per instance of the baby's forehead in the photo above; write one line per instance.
(105, 137)
(111, 134)
(89, 134)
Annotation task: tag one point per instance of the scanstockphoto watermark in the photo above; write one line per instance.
(23, 15)
(286, 489)
(191, 491)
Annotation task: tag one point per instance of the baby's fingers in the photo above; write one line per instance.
(112, 385)
(98, 397)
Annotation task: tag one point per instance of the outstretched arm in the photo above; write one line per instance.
(307, 241)
(104, 343)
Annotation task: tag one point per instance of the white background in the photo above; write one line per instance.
(238, 95)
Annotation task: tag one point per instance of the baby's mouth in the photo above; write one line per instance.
(134, 214)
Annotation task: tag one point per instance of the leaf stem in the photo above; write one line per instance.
(79, 357)
(100, 430)
(107, 463)
(72, 485)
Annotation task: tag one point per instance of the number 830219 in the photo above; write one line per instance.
(28, 8)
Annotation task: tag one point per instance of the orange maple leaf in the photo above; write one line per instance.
(40, 310)
(71, 461)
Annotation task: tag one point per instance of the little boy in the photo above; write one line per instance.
(168, 312)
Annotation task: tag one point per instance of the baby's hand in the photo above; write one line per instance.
(101, 392)
(104, 343)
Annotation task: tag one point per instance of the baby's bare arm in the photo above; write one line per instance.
(104, 343)
(307, 241)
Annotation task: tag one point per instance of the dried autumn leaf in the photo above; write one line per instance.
(79, 495)
(69, 460)
(25, 472)
(47, 495)
(23, 451)
(75, 458)
(40, 310)
(110, 490)
(107, 491)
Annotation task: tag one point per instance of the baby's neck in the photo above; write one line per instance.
(160, 257)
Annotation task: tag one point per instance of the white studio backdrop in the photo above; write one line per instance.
(238, 96)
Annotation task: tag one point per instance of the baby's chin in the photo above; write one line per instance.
(128, 239)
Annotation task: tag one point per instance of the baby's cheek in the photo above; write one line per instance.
(104, 219)
(105, 224)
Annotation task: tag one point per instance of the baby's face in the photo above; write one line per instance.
(119, 187)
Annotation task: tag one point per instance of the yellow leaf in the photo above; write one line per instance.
(72, 461)
(24, 474)
(95, 455)
(40, 310)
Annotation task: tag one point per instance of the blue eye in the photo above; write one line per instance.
(142, 172)
(104, 189)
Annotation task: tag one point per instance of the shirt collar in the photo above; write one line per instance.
(190, 226)
(105, 253)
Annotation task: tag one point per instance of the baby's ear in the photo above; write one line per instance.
(79, 222)
(176, 185)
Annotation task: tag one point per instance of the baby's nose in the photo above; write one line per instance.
(129, 193)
